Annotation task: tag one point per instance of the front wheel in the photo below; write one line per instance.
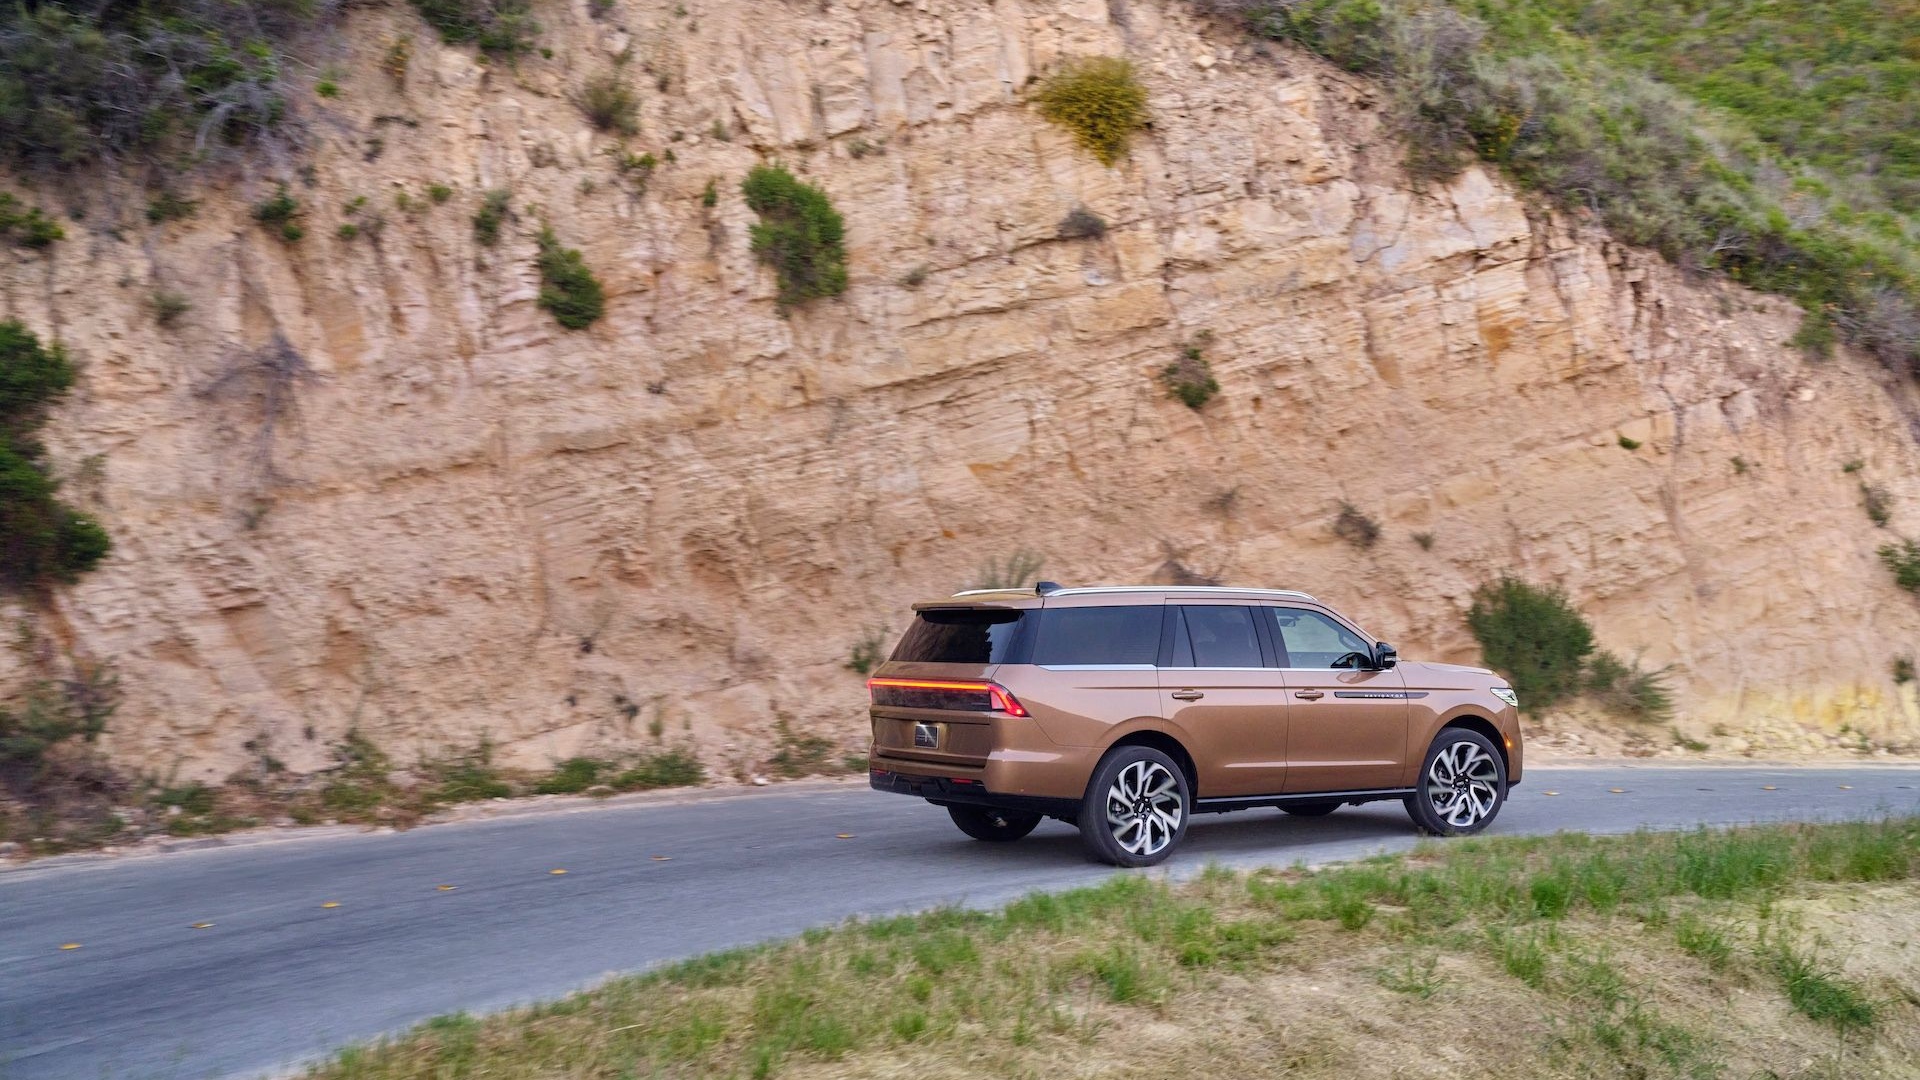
(986, 823)
(1136, 808)
(1463, 783)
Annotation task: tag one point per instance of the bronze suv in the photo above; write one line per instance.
(1127, 710)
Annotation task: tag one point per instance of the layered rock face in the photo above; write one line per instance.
(368, 483)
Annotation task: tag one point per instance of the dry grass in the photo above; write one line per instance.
(1643, 956)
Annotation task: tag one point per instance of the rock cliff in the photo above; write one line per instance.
(367, 482)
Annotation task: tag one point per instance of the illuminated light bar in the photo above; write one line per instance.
(961, 695)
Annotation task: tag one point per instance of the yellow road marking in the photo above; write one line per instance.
(446, 888)
(662, 858)
(1768, 787)
(1549, 793)
(1618, 790)
(331, 904)
(200, 926)
(843, 836)
(70, 946)
(556, 873)
(1846, 787)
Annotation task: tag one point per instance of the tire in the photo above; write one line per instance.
(1150, 802)
(1461, 786)
(995, 826)
(1310, 809)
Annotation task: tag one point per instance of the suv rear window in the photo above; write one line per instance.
(960, 636)
(1101, 636)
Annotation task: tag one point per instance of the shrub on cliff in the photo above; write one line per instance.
(799, 234)
(505, 27)
(27, 226)
(567, 287)
(1533, 636)
(1189, 379)
(1099, 100)
(42, 540)
(1776, 147)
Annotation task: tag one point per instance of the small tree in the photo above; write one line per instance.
(799, 234)
(568, 288)
(42, 540)
(1533, 636)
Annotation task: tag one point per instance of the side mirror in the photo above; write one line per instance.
(1385, 656)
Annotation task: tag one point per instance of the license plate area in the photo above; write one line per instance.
(926, 736)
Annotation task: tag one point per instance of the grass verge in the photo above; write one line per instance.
(1555, 956)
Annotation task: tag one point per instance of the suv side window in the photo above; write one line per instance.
(1216, 636)
(1099, 636)
(1309, 639)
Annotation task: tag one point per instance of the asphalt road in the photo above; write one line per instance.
(280, 976)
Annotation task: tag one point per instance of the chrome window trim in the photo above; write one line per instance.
(1225, 669)
(1095, 667)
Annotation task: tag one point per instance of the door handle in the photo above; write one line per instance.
(1310, 695)
(1187, 695)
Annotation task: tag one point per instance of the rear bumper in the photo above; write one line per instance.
(966, 791)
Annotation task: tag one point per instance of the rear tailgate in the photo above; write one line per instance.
(933, 701)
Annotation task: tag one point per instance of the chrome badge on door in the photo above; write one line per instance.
(927, 735)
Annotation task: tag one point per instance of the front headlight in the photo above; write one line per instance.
(1507, 695)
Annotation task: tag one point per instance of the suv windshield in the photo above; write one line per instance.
(959, 636)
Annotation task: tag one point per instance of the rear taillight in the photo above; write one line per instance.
(1004, 701)
(967, 695)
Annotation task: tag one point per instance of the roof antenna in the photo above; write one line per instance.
(1046, 588)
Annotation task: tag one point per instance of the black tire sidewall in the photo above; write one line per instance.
(1095, 835)
(1420, 808)
(977, 822)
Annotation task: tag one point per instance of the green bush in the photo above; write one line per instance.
(27, 226)
(79, 82)
(568, 289)
(279, 211)
(493, 213)
(799, 234)
(1099, 100)
(1189, 380)
(1534, 637)
(669, 768)
(1903, 558)
(504, 27)
(1779, 151)
(573, 776)
(42, 540)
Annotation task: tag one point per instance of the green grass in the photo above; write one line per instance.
(1775, 144)
(1058, 974)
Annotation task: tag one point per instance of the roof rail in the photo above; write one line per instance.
(1085, 589)
(984, 592)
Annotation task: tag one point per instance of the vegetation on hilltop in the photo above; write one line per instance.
(1776, 144)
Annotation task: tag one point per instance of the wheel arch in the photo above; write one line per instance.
(1481, 725)
(1167, 744)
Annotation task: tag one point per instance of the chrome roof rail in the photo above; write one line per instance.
(1293, 594)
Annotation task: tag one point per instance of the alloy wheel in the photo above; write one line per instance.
(1463, 784)
(1144, 808)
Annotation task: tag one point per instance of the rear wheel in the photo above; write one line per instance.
(1462, 782)
(987, 823)
(1310, 809)
(1136, 808)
